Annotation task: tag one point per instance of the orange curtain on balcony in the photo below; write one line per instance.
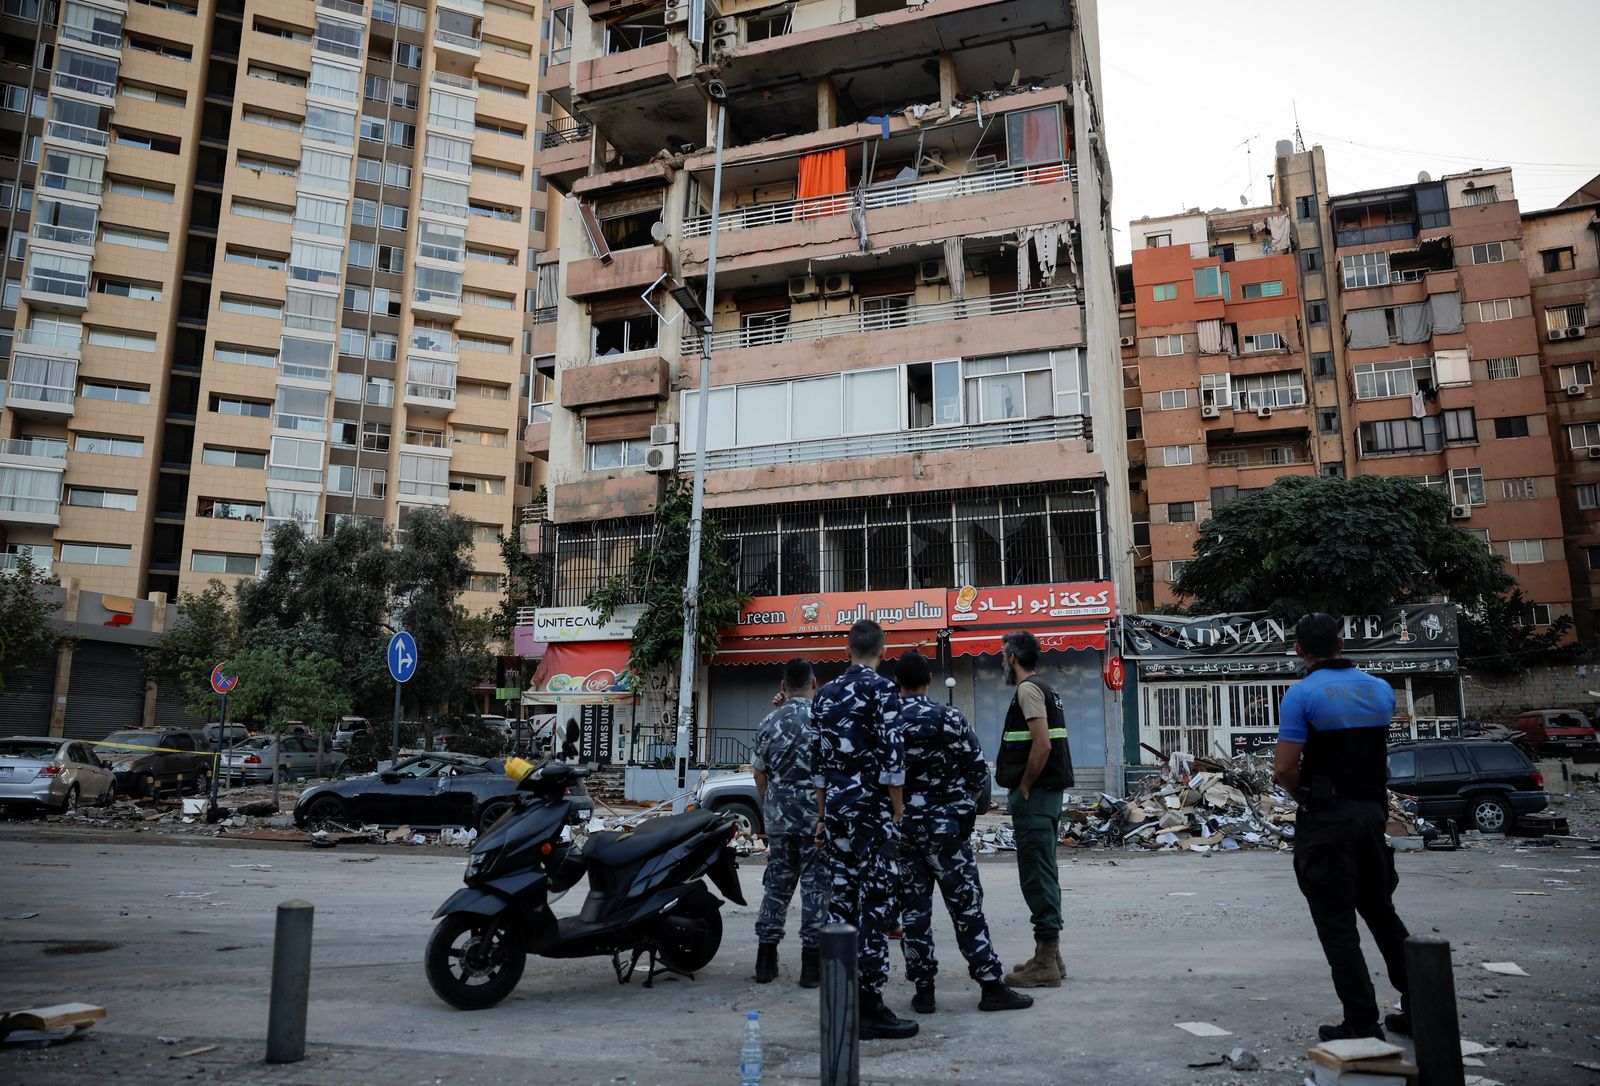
(821, 174)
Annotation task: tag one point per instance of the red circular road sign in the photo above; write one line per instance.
(1114, 673)
(222, 682)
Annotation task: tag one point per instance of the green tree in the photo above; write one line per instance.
(27, 607)
(181, 657)
(525, 578)
(658, 578)
(277, 687)
(432, 567)
(1348, 546)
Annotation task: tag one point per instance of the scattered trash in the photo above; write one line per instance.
(251, 867)
(46, 1025)
(1473, 1048)
(1365, 1060)
(193, 895)
(357, 859)
(193, 1052)
(259, 810)
(1507, 969)
(458, 837)
(1242, 1059)
(395, 836)
(1585, 1065)
(1529, 893)
(22, 916)
(195, 805)
(169, 1040)
(1203, 1029)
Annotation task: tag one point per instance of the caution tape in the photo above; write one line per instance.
(213, 755)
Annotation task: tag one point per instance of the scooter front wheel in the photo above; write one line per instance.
(475, 961)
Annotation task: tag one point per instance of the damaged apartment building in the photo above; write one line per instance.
(913, 333)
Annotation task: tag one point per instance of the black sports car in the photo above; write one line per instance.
(430, 790)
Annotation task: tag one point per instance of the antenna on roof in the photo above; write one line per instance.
(1299, 140)
(1249, 170)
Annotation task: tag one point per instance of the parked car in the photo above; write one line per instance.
(1557, 729)
(1478, 783)
(251, 762)
(146, 762)
(53, 774)
(427, 791)
(734, 794)
(348, 728)
(231, 734)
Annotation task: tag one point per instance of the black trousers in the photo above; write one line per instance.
(1345, 869)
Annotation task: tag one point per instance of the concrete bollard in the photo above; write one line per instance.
(1432, 1004)
(840, 1007)
(291, 983)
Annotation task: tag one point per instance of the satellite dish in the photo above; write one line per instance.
(1244, 201)
(1423, 177)
(658, 232)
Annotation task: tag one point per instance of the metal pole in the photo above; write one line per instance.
(691, 589)
(840, 1007)
(1432, 1005)
(216, 761)
(291, 983)
(394, 741)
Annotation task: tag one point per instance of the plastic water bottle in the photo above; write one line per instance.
(750, 1051)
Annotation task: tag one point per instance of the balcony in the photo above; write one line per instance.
(82, 84)
(865, 446)
(42, 388)
(435, 303)
(628, 269)
(36, 452)
(463, 43)
(30, 490)
(566, 155)
(600, 497)
(426, 441)
(80, 135)
(43, 559)
(430, 399)
(641, 98)
(640, 378)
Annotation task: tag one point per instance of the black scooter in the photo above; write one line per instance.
(646, 897)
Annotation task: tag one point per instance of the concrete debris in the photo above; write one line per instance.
(1203, 1029)
(465, 838)
(1242, 1059)
(1506, 969)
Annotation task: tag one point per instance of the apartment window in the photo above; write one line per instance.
(96, 554)
(1208, 282)
(301, 409)
(140, 191)
(328, 125)
(255, 209)
(1268, 390)
(451, 111)
(1317, 313)
(141, 93)
(1379, 380)
(108, 445)
(1584, 435)
(408, 56)
(311, 312)
(364, 212)
(403, 95)
(1401, 437)
(1511, 426)
(1526, 552)
(1158, 241)
(102, 390)
(1482, 194)
(1519, 490)
(1490, 252)
(617, 454)
(306, 359)
(375, 436)
(254, 258)
(1133, 422)
(1271, 288)
(92, 498)
(380, 391)
(1174, 399)
(246, 356)
(424, 476)
(1164, 292)
(124, 341)
(1572, 319)
(1557, 260)
(1460, 426)
(1305, 208)
(134, 239)
(271, 120)
(1499, 309)
(1322, 366)
(1216, 390)
(1174, 456)
(1175, 570)
(357, 299)
(1180, 512)
(212, 562)
(232, 458)
(1365, 270)
(228, 509)
(625, 334)
(1588, 495)
(361, 254)
(1503, 369)
(1466, 486)
(372, 482)
(1310, 260)
(394, 218)
(1166, 346)
(1327, 420)
(275, 75)
(250, 307)
(250, 409)
(1263, 341)
(296, 460)
(1577, 373)
(59, 274)
(1591, 557)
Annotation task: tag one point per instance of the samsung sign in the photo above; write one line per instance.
(559, 624)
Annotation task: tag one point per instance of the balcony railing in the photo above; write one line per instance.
(981, 436)
(77, 133)
(50, 340)
(10, 503)
(18, 391)
(461, 82)
(64, 235)
(459, 41)
(839, 203)
(570, 130)
(426, 439)
(534, 514)
(850, 324)
(1230, 458)
(561, 55)
(437, 393)
(434, 341)
(345, 7)
(48, 448)
(10, 562)
(97, 88)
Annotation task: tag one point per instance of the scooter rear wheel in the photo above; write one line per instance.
(689, 947)
(474, 961)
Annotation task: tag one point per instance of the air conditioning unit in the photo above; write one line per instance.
(1557, 334)
(1577, 331)
(727, 34)
(802, 288)
(1210, 411)
(664, 433)
(835, 286)
(677, 13)
(930, 272)
(1460, 512)
(1126, 341)
(1594, 454)
(1577, 390)
(661, 459)
(1263, 412)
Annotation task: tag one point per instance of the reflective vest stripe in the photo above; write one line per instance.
(1017, 737)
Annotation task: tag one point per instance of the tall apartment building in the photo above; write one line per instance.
(1561, 249)
(263, 261)
(1391, 331)
(915, 372)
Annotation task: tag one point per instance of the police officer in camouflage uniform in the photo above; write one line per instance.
(859, 762)
(782, 764)
(945, 771)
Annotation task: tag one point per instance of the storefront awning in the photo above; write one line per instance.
(819, 649)
(588, 672)
(974, 643)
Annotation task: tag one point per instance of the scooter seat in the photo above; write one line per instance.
(619, 848)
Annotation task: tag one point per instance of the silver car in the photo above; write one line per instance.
(251, 761)
(56, 774)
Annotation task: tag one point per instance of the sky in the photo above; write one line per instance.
(1387, 87)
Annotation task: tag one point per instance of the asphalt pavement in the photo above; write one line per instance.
(175, 941)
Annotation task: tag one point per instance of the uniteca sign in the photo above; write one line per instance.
(558, 624)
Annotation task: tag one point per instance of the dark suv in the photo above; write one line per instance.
(1479, 783)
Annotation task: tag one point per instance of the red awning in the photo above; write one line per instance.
(591, 667)
(828, 648)
(973, 643)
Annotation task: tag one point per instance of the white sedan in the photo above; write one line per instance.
(55, 774)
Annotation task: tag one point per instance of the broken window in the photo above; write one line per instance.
(626, 222)
(933, 391)
(623, 335)
(637, 31)
(1035, 136)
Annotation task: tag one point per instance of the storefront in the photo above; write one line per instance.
(1214, 684)
(582, 677)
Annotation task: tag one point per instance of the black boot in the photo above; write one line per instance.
(879, 1022)
(809, 977)
(997, 997)
(923, 1002)
(1346, 1030)
(1399, 1021)
(766, 963)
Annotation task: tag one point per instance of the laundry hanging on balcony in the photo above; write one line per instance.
(1044, 243)
(822, 174)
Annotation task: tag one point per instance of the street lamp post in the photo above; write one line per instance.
(691, 589)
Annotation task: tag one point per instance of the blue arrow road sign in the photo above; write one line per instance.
(402, 656)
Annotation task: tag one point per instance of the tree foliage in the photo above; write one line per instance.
(27, 634)
(205, 633)
(1350, 546)
(525, 577)
(658, 576)
(277, 686)
(432, 566)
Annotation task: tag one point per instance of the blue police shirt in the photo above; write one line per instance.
(1342, 716)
